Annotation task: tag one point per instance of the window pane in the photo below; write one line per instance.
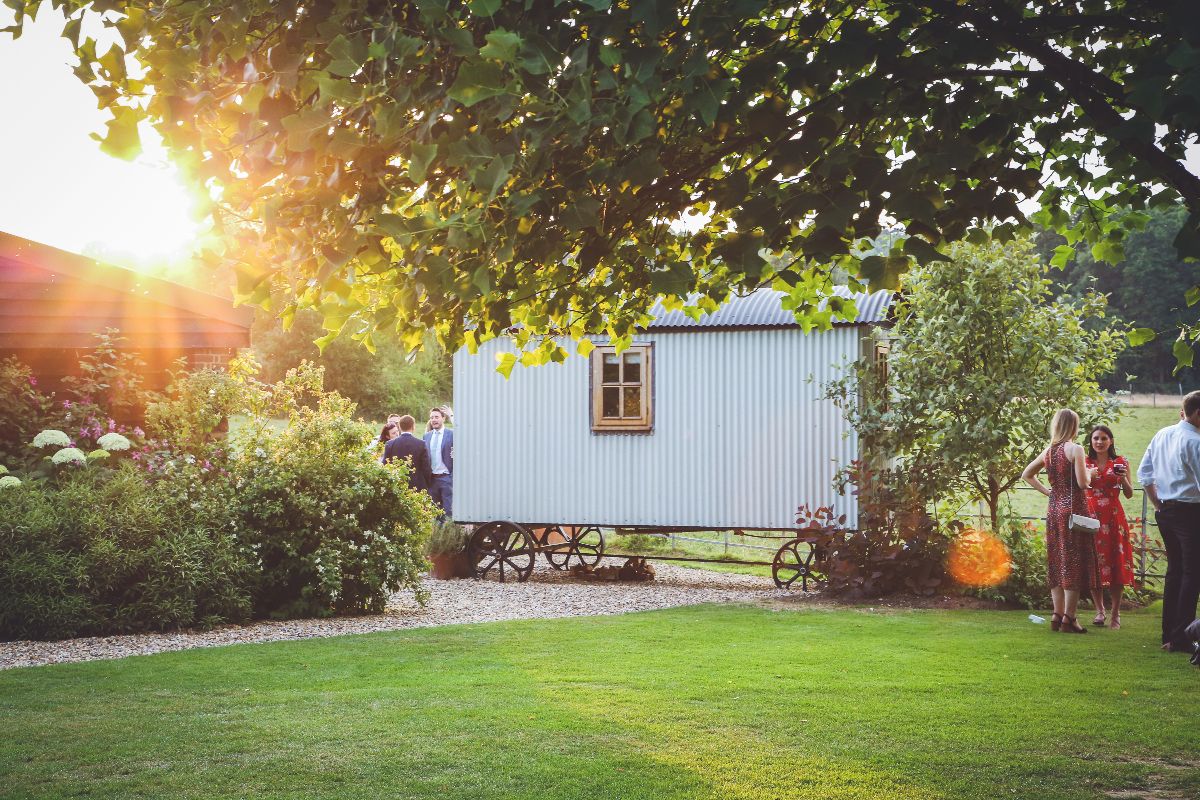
(633, 368)
(633, 402)
(612, 368)
(612, 403)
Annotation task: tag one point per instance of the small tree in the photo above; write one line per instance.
(981, 357)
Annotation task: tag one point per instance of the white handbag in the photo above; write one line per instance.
(1080, 523)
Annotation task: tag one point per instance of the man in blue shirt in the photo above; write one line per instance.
(439, 440)
(1170, 471)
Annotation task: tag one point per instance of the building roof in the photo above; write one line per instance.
(763, 308)
(50, 298)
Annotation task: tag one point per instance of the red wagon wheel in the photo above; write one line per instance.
(504, 550)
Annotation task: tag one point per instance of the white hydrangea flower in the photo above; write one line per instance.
(9, 481)
(97, 454)
(113, 441)
(69, 455)
(3, 470)
(51, 438)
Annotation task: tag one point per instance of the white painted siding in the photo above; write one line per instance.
(740, 437)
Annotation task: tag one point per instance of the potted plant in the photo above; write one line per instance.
(448, 552)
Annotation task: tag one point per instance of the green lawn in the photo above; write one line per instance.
(702, 702)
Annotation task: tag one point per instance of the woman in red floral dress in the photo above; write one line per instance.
(1114, 552)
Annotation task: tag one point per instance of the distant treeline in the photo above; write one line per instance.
(1147, 290)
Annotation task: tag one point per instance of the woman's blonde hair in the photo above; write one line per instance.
(1064, 427)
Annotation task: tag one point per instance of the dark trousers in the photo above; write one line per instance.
(441, 489)
(1179, 524)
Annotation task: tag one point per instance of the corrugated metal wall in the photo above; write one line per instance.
(740, 438)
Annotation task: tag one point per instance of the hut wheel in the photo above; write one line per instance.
(502, 550)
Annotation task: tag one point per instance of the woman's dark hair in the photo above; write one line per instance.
(1112, 448)
(383, 434)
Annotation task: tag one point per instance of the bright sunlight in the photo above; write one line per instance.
(58, 188)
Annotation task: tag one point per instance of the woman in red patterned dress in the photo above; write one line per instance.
(1069, 554)
(1114, 552)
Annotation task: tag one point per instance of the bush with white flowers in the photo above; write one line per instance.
(51, 438)
(69, 455)
(113, 442)
(9, 481)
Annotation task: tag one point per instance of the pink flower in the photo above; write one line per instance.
(32, 381)
(138, 432)
(112, 424)
(66, 403)
(137, 456)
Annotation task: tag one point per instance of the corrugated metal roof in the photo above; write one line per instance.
(762, 308)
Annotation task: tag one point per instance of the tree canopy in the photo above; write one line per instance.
(1143, 291)
(982, 354)
(557, 164)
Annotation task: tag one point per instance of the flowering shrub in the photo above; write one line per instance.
(193, 530)
(52, 438)
(113, 441)
(69, 455)
(106, 551)
(26, 410)
(332, 530)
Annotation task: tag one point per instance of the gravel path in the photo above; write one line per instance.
(548, 594)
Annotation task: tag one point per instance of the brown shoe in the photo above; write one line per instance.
(1069, 625)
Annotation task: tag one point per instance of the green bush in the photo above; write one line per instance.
(1026, 584)
(897, 547)
(332, 530)
(25, 411)
(102, 551)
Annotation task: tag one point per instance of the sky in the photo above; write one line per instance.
(56, 187)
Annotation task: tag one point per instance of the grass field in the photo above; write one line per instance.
(1132, 435)
(702, 702)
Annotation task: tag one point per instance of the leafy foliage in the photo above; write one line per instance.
(1141, 292)
(104, 551)
(1026, 584)
(389, 381)
(897, 546)
(191, 530)
(469, 166)
(981, 357)
(25, 411)
(332, 529)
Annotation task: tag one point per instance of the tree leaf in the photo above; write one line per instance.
(502, 45)
(122, 140)
(420, 156)
(1139, 336)
(477, 82)
(1183, 353)
(505, 363)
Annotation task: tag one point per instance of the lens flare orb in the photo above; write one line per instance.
(978, 558)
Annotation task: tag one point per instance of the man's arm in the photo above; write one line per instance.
(1152, 493)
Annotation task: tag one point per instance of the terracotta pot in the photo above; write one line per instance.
(445, 566)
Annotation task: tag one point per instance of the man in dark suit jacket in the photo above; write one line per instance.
(408, 446)
(439, 441)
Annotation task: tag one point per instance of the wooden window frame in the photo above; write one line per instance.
(641, 424)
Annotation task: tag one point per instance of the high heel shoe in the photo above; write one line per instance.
(1056, 621)
(1069, 625)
